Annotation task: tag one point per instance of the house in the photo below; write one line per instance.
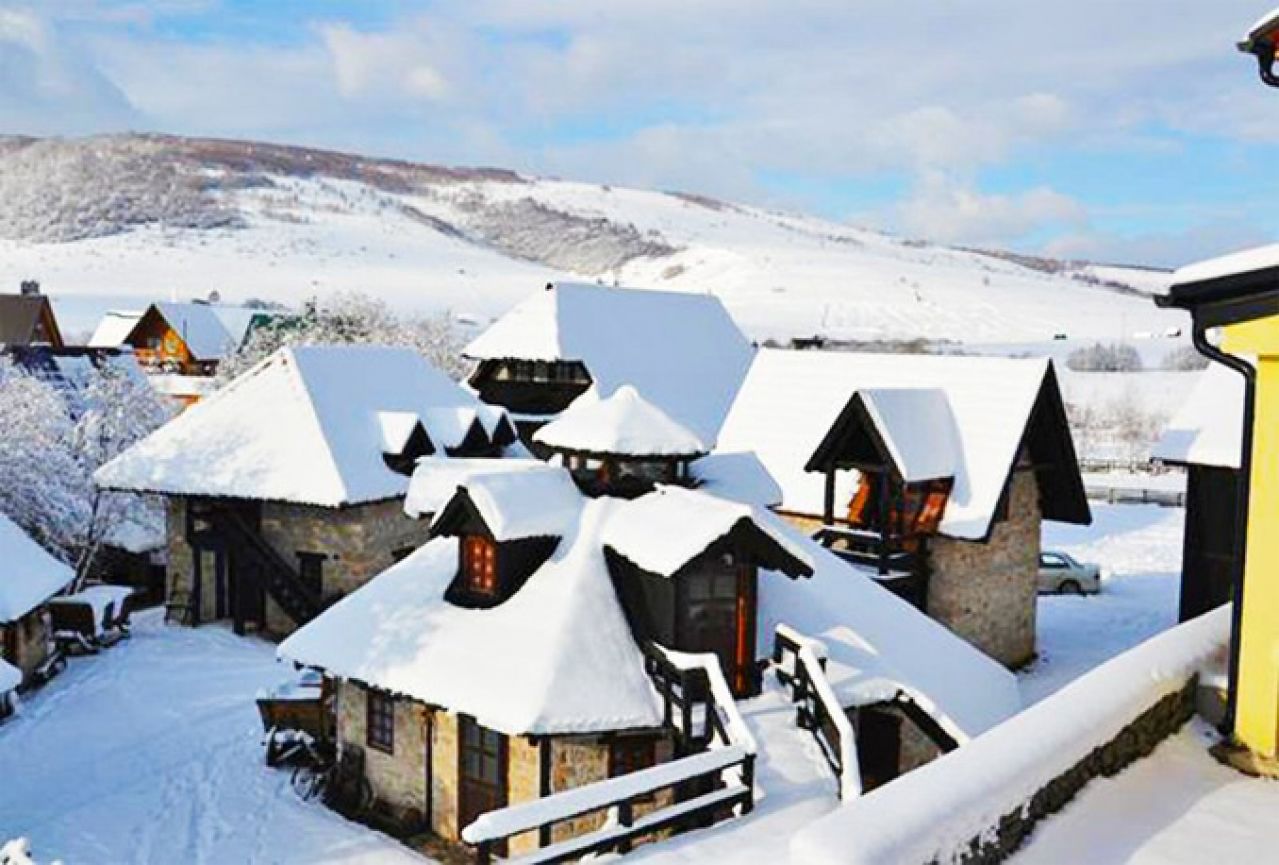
(285, 488)
(936, 470)
(543, 644)
(1205, 437)
(114, 328)
(681, 350)
(29, 577)
(27, 318)
(187, 339)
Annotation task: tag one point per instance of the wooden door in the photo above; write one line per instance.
(719, 617)
(879, 745)
(482, 755)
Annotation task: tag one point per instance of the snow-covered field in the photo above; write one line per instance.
(149, 753)
(1178, 806)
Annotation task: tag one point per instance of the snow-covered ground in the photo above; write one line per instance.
(1140, 546)
(1178, 806)
(149, 753)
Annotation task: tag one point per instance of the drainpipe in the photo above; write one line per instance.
(1240, 541)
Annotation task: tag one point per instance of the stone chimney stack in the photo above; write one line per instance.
(29, 288)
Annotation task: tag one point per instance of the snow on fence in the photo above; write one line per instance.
(801, 663)
(722, 778)
(975, 804)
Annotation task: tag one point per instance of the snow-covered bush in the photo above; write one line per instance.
(1105, 357)
(1186, 358)
(352, 318)
(18, 852)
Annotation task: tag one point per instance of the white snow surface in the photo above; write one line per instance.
(739, 476)
(10, 677)
(437, 478)
(29, 576)
(669, 527)
(557, 657)
(526, 504)
(1244, 261)
(933, 812)
(682, 351)
(152, 753)
(302, 426)
(790, 400)
(115, 325)
(1208, 428)
(918, 428)
(623, 423)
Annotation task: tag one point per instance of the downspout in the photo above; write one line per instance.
(1240, 541)
(1264, 51)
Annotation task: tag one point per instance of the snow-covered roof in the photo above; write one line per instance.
(664, 530)
(878, 645)
(1263, 25)
(114, 328)
(791, 399)
(681, 350)
(301, 426)
(524, 504)
(10, 677)
(1208, 428)
(1236, 263)
(557, 657)
(436, 479)
(624, 424)
(739, 476)
(916, 425)
(29, 576)
(201, 328)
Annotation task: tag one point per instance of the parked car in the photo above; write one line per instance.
(1060, 574)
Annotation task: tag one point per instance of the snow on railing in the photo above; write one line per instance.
(807, 671)
(933, 813)
(728, 767)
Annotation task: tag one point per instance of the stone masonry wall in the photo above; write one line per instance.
(360, 542)
(987, 593)
(574, 762)
(444, 780)
(524, 784)
(1133, 743)
(398, 779)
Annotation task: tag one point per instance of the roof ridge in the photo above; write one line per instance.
(294, 371)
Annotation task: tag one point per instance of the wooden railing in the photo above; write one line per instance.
(800, 664)
(279, 579)
(902, 571)
(717, 780)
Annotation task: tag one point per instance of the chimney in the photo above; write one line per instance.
(29, 288)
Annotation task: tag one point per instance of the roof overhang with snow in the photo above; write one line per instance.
(1234, 288)
(1207, 429)
(30, 574)
(909, 431)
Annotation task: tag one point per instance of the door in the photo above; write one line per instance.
(481, 772)
(719, 617)
(879, 745)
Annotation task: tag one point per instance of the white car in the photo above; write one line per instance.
(1060, 574)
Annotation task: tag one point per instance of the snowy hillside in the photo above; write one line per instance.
(115, 221)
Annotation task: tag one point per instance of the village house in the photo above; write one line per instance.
(285, 489)
(935, 471)
(29, 578)
(1205, 438)
(682, 350)
(27, 318)
(568, 623)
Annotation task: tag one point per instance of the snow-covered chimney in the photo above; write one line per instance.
(29, 288)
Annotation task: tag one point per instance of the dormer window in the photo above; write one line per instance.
(479, 566)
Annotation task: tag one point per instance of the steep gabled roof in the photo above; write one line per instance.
(21, 316)
(623, 423)
(201, 328)
(682, 351)
(791, 401)
(29, 576)
(114, 328)
(306, 425)
(1208, 428)
(514, 505)
(912, 429)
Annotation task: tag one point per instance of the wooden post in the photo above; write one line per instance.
(626, 818)
(484, 853)
(748, 779)
(829, 503)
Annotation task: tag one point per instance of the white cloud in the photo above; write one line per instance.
(954, 211)
(382, 65)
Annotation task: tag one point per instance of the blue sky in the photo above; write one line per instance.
(1118, 131)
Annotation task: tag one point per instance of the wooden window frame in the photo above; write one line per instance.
(379, 721)
(478, 565)
(623, 750)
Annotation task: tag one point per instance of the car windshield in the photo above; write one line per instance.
(1053, 557)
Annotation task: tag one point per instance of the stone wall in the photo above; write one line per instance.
(399, 778)
(1133, 743)
(576, 761)
(916, 748)
(524, 784)
(30, 637)
(359, 542)
(444, 776)
(987, 593)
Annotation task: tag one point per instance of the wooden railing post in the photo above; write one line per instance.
(625, 818)
(484, 853)
(748, 781)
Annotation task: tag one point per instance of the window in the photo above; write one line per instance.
(380, 722)
(311, 570)
(1051, 560)
(630, 755)
(479, 565)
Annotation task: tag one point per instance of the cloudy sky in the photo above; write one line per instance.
(1112, 129)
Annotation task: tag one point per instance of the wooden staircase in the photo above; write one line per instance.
(282, 583)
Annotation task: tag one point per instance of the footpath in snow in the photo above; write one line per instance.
(150, 753)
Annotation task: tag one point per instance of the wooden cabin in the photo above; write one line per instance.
(682, 350)
(549, 638)
(27, 318)
(183, 339)
(932, 472)
(1204, 438)
(29, 578)
(285, 490)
